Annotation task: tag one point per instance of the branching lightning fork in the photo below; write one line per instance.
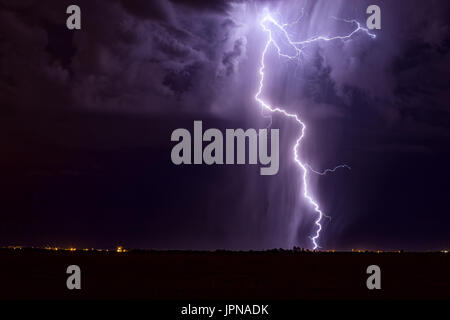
(297, 47)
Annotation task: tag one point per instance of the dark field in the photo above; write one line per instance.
(149, 275)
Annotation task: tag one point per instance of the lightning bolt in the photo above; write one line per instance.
(324, 173)
(297, 47)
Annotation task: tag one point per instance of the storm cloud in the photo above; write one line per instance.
(139, 69)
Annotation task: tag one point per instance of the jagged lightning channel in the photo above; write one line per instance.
(298, 46)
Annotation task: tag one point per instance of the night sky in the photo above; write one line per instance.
(86, 118)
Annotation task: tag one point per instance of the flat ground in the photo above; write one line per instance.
(41, 274)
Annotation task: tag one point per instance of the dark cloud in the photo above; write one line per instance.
(230, 59)
(158, 9)
(122, 59)
(220, 6)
